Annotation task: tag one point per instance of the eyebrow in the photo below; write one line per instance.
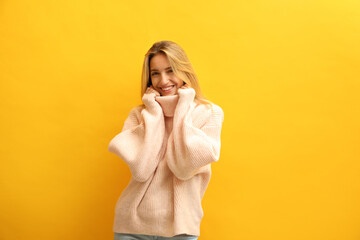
(154, 69)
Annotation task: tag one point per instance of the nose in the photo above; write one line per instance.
(164, 77)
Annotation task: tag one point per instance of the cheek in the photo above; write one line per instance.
(154, 81)
(179, 83)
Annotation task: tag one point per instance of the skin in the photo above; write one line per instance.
(162, 76)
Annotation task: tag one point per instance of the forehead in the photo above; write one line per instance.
(159, 62)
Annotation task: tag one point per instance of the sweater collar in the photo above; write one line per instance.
(168, 104)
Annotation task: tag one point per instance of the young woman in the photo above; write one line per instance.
(168, 143)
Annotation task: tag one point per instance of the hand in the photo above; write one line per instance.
(149, 99)
(151, 89)
(184, 91)
(186, 86)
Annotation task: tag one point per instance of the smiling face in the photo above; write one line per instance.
(162, 76)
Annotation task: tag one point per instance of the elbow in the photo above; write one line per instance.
(110, 147)
(113, 147)
(214, 154)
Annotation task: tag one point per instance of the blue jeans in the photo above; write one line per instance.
(128, 236)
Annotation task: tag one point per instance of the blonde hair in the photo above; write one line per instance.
(180, 65)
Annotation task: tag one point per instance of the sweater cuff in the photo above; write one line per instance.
(186, 95)
(150, 102)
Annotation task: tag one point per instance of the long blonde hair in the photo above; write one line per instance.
(179, 63)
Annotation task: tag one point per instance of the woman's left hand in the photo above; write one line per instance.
(186, 86)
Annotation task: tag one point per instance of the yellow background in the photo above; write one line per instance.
(286, 73)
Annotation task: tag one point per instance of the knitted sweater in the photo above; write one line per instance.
(168, 144)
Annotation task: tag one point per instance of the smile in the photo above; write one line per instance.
(168, 89)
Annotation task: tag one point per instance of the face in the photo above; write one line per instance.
(162, 76)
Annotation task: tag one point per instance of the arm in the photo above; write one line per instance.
(189, 147)
(140, 142)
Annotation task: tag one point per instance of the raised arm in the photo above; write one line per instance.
(190, 147)
(140, 142)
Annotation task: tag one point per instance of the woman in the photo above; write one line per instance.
(168, 143)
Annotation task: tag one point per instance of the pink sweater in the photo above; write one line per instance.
(170, 166)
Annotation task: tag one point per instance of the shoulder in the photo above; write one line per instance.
(208, 112)
(135, 112)
(137, 109)
(217, 111)
(210, 109)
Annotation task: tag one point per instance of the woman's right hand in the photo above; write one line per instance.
(151, 89)
(149, 98)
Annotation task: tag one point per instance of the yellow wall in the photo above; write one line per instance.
(286, 74)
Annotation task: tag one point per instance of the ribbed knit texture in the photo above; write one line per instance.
(169, 146)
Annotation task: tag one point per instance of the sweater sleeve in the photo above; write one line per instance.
(189, 147)
(140, 141)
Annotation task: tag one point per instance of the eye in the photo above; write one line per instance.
(154, 73)
(170, 70)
